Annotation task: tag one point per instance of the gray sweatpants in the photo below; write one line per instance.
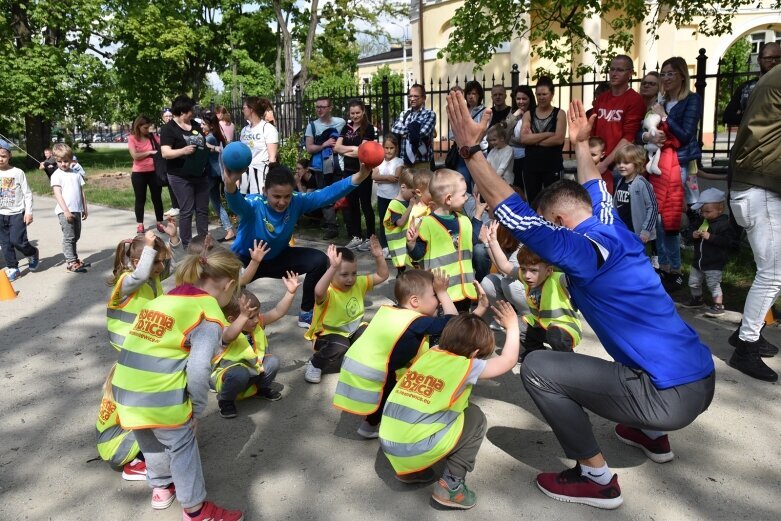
(71, 232)
(564, 384)
(172, 456)
(462, 458)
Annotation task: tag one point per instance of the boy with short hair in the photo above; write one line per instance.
(443, 239)
(395, 337)
(551, 318)
(338, 316)
(16, 214)
(67, 183)
(397, 218)
(244, 368)
(596, 149)
(712, 236)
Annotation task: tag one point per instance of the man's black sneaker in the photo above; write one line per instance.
(746, 359)
(330, 234)
(766, 349)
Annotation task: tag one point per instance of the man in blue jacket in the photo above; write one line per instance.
(663, 375)
(272, 217)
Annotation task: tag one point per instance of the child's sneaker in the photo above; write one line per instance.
(369, 431)
(227, 408)
(657, 450)
(211, 512)
(173, 212)
(13, 273)
(140, 229)
(693, 302)
(312, 374)
(716, 310)
(33, 262)
(354, 243)
(423, 476)
(163, 497)
(134, 471)
(461, 497)
(364, 246)
(572, 487)
(270, 394)
(305, 319)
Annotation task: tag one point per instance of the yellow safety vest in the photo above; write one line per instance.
(121, 313)
(456, 261)
(365, 367)
(150, 383)
(241, 353)
(555, 309)
(424, 415)
(396, 235)
(115, 445)
(419, 211)
(341, 312)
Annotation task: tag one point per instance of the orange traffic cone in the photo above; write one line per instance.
(6, 289)
(770, 318)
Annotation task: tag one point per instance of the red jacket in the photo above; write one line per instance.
(668, 187)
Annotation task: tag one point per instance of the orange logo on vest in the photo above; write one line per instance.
(420, 386)
(107, 408)
(152, 325)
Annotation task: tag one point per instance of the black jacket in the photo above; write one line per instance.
(712, 254)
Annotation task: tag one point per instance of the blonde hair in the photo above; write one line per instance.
(498, 131)
(62, 152)
(421, 179)
(108, 391)
(407, 177)
(632, 154)
(678, 64)
(444, 183)
(130, 249)
(215, 264)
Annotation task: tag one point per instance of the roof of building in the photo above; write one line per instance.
(393, 54)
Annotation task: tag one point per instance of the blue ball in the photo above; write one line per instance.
(236, 156)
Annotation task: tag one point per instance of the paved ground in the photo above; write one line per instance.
(299, 458)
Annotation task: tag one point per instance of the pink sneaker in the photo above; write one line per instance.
(211, 512)
(134, 471)
(163, 497)
(657, 450)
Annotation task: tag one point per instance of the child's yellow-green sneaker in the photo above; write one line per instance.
(461, 497)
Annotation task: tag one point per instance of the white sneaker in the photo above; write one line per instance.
(386, 253)
(364, 246)
(367, 431)
(173, 212)
(312, 374)
(354, 243)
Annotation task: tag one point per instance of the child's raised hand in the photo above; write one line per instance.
(291, 282)
(149, 238)
(505, 314)
(208, 242)
(246, 308)
(482, 298)
(374, 246)
(334, 257)
(412, 232)
(170, 227)
(258, 251)
(485, 235)
(441, 280)
(492, 229)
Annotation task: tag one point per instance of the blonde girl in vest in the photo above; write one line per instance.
(245, 367)
(117, 446)
(161, 383)
(140, 264)
(428, 416)
(396, 219)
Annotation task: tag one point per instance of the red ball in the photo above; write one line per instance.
(371, 154)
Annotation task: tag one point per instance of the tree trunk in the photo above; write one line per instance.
(310, 41)
(38, 133)
(287, 46)
(278, 62)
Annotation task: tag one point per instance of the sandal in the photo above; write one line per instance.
(76, 267)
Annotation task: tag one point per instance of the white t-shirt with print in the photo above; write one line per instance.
(389, 190)
(257, 139)
(70, 182)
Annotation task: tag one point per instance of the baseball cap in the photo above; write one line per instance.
(711, 195)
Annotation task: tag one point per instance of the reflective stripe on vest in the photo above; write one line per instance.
(150, 381)
(423, 418)
(115, 445)
(455, 261)
(120, 314)
(555, 309)
(241, 353)
(364, 370)
(341, 312)
(395, 236)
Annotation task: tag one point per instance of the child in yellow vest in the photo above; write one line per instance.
(205, 242)
(139, 266)
(444, 239)
(397, 218)
(428, 415)
(552, 318)
(395, 337)
(338, 314)
(245, 368)
(161, 382)
(420, 183)
(117, 446)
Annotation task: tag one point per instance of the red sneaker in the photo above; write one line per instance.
(134, 471)
(657, 450)
(571, 487)
(211, 512)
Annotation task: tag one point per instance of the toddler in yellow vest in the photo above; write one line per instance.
(397, 218)
(444, 239)
(139, 266)
(338, 315)
(245, 368)
(552, 318)
(395, 337)
(428, 416)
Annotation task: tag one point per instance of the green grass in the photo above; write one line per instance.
(738, 276)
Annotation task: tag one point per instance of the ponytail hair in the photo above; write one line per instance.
(129, 250)
(108, 392)
(215, 264)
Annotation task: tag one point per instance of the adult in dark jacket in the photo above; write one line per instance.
(769, 56)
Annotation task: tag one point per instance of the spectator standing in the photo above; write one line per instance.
(166, 116)
(226, 123)
(263, 139)
(649, 89)
(542, 133)
(143, 177)
(755, 201)
(415, 130)
(524, 101)
(500, 111)
(620, 113)
(473, 92)
(769, 57)
(320, 137)
(215, 142)
(387, 178)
